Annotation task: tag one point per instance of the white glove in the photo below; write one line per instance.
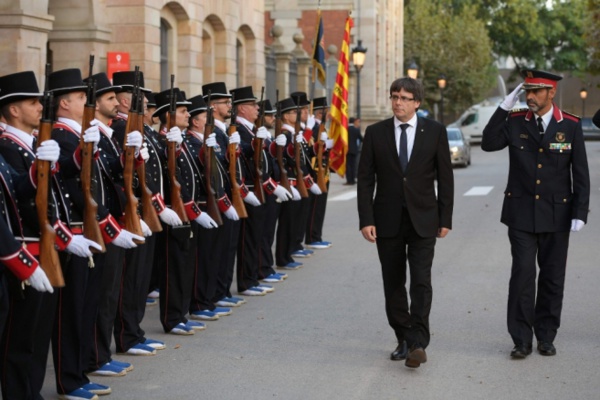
(329, 144)
(324, 136)
(92, 134)
(125, 239)
(144, 152)
(262, 133)
(282, 193)
(315, 189)
(234, 138)
(134, 139)
(299, 138)
(252, 199)
(232, 214)
(48, 150)
(211, 141)
(39, 281)
(170, 217)
(281, 140)
(310, 122)
(206, 221)
(295, 194)
(509, 102)
(174, 135)
(80, 246)
(146, 231)
(576, 225)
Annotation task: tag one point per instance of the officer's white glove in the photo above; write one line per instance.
(315, 189)
(92, 134)
(39, 281)
(232, 214)
(262, 133)
(295, 194)
(206, 221)
(234, 138)
(146, 231)
(252, 199)
(324, 136)
(48, 150)
(125, 239)
(144, 152)
(310, 122)
(299, 138)
(211, 141)
(170, 217)
(509, 102)
(134, 139)
(282, 193)
(281, 140)
(329, 144)
(80, 246)
(174, 135)
(576, 225)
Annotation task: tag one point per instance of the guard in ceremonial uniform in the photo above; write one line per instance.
(547, 197)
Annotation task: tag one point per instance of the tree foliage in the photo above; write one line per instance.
(592, 35)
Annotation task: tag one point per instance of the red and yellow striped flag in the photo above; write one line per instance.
(338, 131)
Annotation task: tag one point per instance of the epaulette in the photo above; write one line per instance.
(518, 110)
(572, 117)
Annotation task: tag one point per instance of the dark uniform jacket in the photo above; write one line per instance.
(548, 181)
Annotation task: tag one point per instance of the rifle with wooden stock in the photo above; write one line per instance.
(48, 256)
(210, 165)
(132, 220)
(320, 149)
(176, 202)
(149, 214)
(91, 229)
(283, 176)
(257, 145)
(236, 193)
(298, 154)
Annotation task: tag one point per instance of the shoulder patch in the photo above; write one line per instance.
(570, 116)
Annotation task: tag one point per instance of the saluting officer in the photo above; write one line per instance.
(546, 197)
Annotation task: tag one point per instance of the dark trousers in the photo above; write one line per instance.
(526, 313)
(131, 306)
(316, 217)
(74, 322)
(227, 246)
(26, 340)
(176, 278)
(248, 252)
(300, 225)
(286, 229)
(205, 271)
(351, 168)
(410, 324)
(98, 345)
(266, 260)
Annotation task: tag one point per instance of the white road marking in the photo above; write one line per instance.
(343, 196)
(479, 191)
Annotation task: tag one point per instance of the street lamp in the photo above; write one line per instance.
(358, 58)
(583, 95)
(413, 70)
(442, 85)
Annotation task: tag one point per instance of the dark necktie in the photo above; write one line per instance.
(403, 147)
(540, 125)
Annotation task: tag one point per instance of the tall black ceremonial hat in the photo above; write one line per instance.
(19, 86)
(287, 104)
(267, 106)
(163, 100)
(536, 79)
(151, 100)
(243, 95)
(66, 81)
(103, 85)
(218, 90)
(300, 98)
(126, 79)
(197, 105)
(319, 103)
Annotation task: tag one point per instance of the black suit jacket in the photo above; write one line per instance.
(379, 173)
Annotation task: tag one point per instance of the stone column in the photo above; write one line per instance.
(282, 59)
(303, 60)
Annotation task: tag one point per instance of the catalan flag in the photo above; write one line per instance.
(318, 58)
(338, 130)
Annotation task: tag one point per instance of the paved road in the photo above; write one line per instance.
(323, 333)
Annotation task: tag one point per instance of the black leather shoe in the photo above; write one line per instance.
(546, 349)
(416, 356)
(400, 352)
(521, 350)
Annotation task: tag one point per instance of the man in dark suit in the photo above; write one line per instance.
(402, 157)
(596, 119)
(547, 194)
(354, 138)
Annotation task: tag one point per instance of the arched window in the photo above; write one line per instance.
(165, 80)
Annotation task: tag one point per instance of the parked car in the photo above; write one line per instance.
(590, 131)
(460, 148)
